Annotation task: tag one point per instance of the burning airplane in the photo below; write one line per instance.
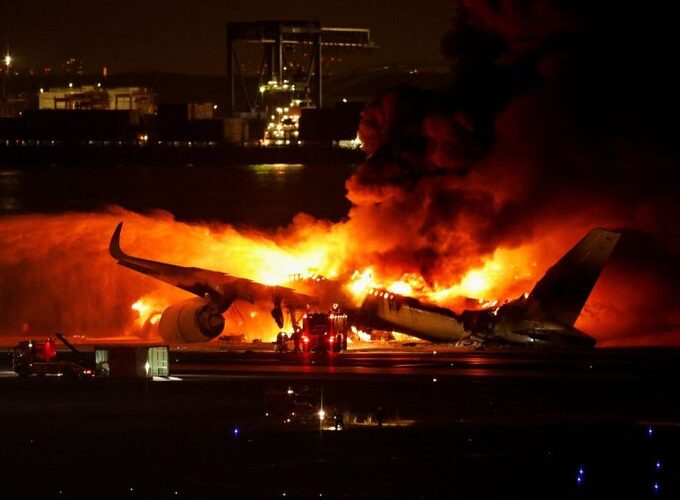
(544, 317)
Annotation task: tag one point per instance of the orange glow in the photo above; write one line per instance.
(474, 283)
(97, 297)
(401, 288)
(360, 334)
(149, 310)
(361, 282)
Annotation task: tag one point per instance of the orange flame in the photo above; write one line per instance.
(97, 297)
(149, 310)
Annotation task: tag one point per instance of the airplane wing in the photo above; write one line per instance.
(222, 288)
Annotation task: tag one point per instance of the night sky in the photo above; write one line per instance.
(188, 37)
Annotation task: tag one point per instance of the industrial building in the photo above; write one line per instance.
(95, 97)
(290, 79)
(282, 104)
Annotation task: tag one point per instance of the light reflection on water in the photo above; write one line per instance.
(276, 172)
(278, 168)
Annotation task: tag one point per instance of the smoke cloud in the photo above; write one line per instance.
(558, 120)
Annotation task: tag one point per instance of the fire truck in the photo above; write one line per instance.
(31, 357)
(323, 332)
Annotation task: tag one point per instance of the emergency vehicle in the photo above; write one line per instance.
(323, 332)
(31, 357)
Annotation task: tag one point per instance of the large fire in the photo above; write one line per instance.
(59, 268)
(57, 273)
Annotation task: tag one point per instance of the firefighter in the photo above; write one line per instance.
(296, 340)
(380, 415)
(282, 342)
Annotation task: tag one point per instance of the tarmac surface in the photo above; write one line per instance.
(417, 421)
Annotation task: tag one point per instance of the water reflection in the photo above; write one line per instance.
(276, 173)
(261, 195)
(277, 168)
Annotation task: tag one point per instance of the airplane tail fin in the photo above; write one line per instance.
(562, 292)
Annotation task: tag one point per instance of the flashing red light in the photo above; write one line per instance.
(305, 339)
(331, 339)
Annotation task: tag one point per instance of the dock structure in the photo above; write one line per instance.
(301, 81)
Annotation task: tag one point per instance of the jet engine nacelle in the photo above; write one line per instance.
(193, 320)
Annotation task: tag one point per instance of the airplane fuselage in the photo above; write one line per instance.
(506, 324)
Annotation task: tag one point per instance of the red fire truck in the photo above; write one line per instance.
(323, 332)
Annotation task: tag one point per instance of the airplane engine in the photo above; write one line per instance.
(193, 320)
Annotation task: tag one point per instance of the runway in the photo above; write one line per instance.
(455, 424)
(436, 361)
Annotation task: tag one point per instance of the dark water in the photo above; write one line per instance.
(262, 195)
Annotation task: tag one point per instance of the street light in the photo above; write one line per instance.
(8, 60)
